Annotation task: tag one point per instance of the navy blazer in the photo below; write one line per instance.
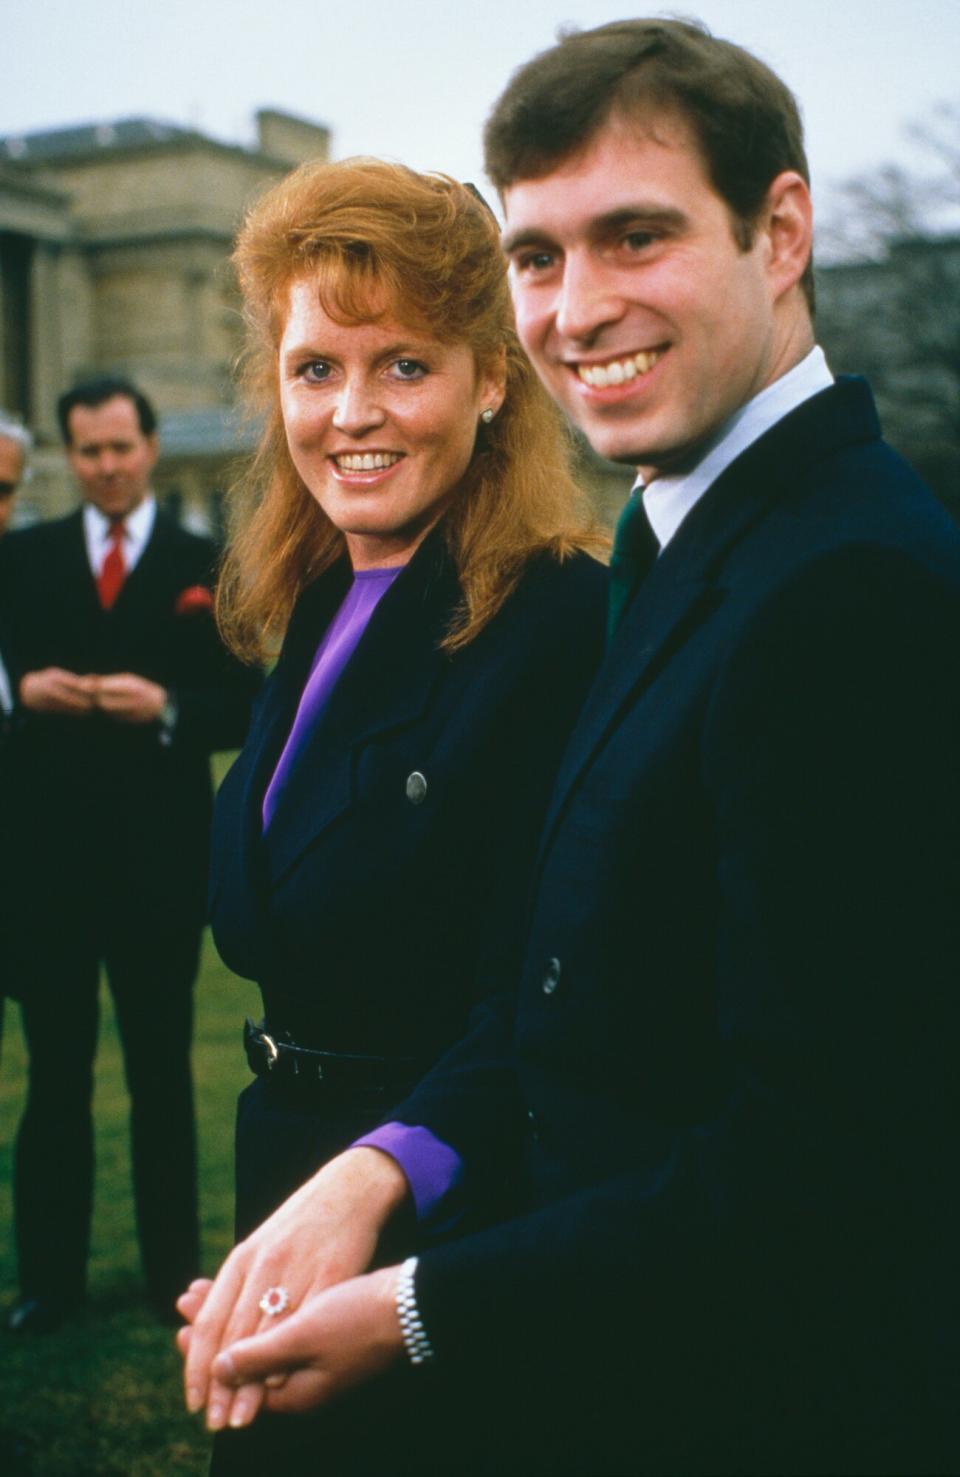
(732, 1091)
(132, 797)
(371, 910)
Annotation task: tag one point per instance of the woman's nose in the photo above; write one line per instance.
(358, 409)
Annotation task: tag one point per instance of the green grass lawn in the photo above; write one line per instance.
(101, 1397)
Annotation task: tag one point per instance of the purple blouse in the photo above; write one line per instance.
(339, 643)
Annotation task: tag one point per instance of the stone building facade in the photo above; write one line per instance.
(114, 247)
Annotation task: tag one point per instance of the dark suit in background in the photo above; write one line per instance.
(111, 833)
(734, 1103)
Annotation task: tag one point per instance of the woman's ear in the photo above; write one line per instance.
(492, 383)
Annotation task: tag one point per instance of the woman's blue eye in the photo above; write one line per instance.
(317, 369)
(409, 369)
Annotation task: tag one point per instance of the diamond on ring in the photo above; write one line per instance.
(275, 1300)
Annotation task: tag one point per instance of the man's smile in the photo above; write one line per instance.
(619, 371)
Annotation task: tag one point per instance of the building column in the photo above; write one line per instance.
(46, 339)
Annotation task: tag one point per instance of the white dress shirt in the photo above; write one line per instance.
(137, 528)
(668, 500)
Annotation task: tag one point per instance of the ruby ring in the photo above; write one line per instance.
(275, 1300)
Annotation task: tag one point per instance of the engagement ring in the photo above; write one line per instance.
(275, 1300)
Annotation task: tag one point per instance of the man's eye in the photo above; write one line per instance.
(534, 261)
(409, 369)
(638, 240)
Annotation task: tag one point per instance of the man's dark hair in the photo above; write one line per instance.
(95, 392)
(745, 120)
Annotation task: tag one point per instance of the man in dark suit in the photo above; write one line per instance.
(124, 690)
(731, 1097)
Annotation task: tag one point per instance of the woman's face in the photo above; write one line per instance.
(381, 422)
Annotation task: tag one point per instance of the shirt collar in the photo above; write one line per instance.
(137, 526)
(668, 500)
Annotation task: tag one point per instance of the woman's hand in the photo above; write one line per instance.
(324, 1234)
(338, 1339)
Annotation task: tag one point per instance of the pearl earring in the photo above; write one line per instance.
(486, 416)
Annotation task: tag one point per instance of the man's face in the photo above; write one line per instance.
(110, 455)
(11, 470)
(644, 318)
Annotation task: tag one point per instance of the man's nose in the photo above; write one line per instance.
(107, 463)
(358, 408)
(587, 301)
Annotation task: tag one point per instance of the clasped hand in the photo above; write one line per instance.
(122, 695)
(343, 1326)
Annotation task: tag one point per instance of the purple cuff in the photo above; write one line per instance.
(432, 1168)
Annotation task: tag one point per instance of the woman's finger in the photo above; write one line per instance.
(234, 1407)
(190, 1302)
(209, 1326)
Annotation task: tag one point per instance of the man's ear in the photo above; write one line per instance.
(788, 224)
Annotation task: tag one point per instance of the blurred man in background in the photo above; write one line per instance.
(124, 690)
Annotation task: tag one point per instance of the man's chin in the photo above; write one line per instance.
(116, 504)
(614, 443)
(640, 455)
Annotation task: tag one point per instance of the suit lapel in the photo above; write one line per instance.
(75, 577)
(685, 586)
(281, 695)
(386, 684)
(673, 600)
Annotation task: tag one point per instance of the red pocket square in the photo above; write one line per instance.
(192, 599)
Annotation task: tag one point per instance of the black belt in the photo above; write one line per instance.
(276, 1055)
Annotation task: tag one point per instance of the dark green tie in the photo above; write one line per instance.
(635, 547)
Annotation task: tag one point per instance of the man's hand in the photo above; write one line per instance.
(130, 699)
(336, 1340)
(55, 690)
(325, 1233)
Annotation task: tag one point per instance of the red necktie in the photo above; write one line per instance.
(113, 571)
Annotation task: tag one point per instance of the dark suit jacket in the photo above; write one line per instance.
(363, 911)
(376, 915)
(97, 799)
(738, 1017)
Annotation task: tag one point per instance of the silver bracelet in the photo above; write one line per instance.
(415, 1341)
